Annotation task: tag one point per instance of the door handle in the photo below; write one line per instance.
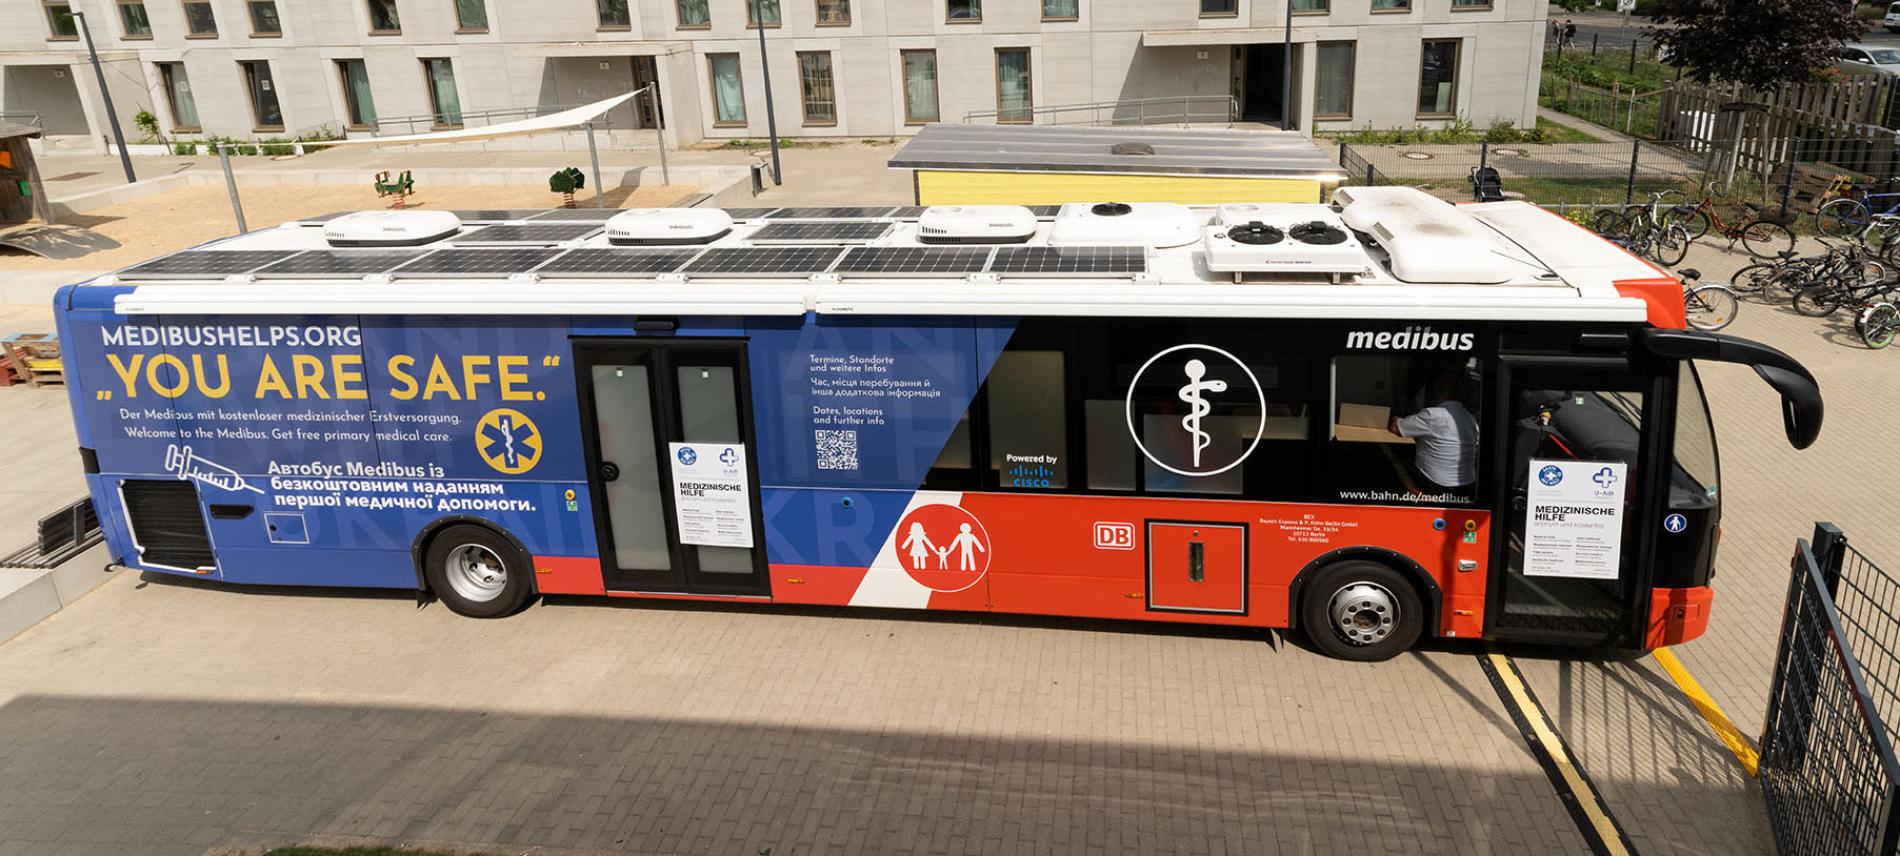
(1197, 562)
(1518, 503)
(609, 471)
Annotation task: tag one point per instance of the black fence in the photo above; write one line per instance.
(1827, 766)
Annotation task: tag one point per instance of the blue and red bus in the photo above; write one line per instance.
(1378, 420)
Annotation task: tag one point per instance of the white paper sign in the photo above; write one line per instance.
(1573, 525)
(712, 499)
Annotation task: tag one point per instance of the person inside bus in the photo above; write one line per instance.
(1445, 435)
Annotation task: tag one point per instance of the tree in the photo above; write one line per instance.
(1760, 43)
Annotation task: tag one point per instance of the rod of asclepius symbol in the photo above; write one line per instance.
(1199, 407)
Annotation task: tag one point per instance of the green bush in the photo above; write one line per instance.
(186, 149)
(276, 147)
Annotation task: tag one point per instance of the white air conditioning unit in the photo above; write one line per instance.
(1428, 240)
(1144, 224)
(975, 224)
(390, 228)
(637, 227)
(1283, 238)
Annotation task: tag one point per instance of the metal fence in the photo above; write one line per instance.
(1163, 110)
(1828, 770)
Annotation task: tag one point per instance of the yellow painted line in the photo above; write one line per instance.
(1586, 796)
(1725, 729)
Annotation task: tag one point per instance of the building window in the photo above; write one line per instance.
(963, 11)
(138, 25)
(264, 21)
(614, 14)
(728, 91)
(178, 93)
(200, 21)
(1405, 427)
(920, 86)
(1332, 98)
(1013, 99)
(1060, 10)
(694, 14)
(834, 13)
(266, 114)
(761, 10)
(1391, 5)
(383, 17)
(1438, 79)
(1312, 7)
(59, 21)
(1470, 4)
(443, 100)
(471, 16)
(356, 94)
(1220, 8)
(820, 96)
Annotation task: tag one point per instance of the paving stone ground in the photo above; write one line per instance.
(167, 716)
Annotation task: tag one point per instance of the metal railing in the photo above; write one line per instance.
(1828, 770)
(22, 116)
(1164, 110)
(474, 119)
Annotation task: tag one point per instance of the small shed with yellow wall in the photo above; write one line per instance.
(1052, 164)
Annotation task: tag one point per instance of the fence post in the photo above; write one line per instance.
(1484, 156)
(1369, 172)
(1629, 188)
(1633, 44)
(1593, 44)
(1830, 548)
(1787, 183)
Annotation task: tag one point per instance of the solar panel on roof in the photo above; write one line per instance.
(908, 212)
(325, 218)
(913, 261)
(839, 212)
(528, 233)
(734, 261)
(494, 215)
(594, 215)
(591, 261)
(192, 264)
(821, 230)
(495, 261)
(1069, 261)
(748, 213)
(343, 263)
(1044, 211)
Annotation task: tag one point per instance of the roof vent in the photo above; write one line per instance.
(639, 227)
(975, 224)
(1131, 149)
(1429, 240)
(1144, 224)
(390, 228)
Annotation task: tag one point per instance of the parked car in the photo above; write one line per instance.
(1892, 21)
(1870, 59)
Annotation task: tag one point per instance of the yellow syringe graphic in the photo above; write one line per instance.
(180, 461)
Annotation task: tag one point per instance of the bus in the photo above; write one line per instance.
(1373, 421)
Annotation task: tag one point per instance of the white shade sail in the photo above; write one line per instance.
(569, 118)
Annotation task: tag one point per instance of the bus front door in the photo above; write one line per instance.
(1575, 497)
(669, 441)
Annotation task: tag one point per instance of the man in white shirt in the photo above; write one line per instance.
(1445, 459)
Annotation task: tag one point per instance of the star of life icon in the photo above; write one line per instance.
(180, 461)
(1191, 393)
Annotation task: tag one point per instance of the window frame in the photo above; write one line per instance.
(435, 101)
(251, 89)
(461, 26)
(975, 5)
(679, 20)
(1326, 8)
(1029, 85)
(818, 6)
(712, 89)
(600, 16)
(1047, 18)
(185, 9)
(395, 17)
(1232, 10)
(170, 85)
(125, 24)
(1484, 6)
(52, 22)
(936, 85)
(754, 6)
(1352, 79)
(250, 11)
(1404, 7)
(350, 116)
(804, 93)
(1457, 66)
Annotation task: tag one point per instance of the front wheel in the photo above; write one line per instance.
(1763, 239)
(1711, 307)
(1695, 221)
(1611, 223)
(476, 572)
(1671, 245)
(1361, 611)
(1749, 280)
(1841, 217)
(1879, 324)
(1817, 301)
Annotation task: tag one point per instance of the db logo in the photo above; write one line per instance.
(1114, 536)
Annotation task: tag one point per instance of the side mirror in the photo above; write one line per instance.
(1801, 405)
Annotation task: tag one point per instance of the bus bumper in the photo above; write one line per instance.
(1677, 615)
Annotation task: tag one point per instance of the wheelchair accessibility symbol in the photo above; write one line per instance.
(508, 441)
(1675, 523)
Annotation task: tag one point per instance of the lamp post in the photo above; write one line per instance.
(1286, 73)
(125, 158)
(765, 68)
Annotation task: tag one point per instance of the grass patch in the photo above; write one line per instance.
(1559, 133)
(1459, 131)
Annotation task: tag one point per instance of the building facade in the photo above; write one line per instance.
(849, 68)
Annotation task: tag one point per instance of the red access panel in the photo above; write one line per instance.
(1197, 567)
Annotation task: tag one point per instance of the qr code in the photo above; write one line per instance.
(837, 450)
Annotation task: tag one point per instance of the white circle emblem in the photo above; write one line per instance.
(1193, 393)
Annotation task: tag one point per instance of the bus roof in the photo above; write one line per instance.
(1408, 256)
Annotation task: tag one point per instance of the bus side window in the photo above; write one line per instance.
(955, 468)
(1028, 425)
(1404, 428)
(1111, 452)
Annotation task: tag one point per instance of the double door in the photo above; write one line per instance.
(669, 436)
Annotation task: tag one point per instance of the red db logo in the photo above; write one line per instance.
(1114, 536)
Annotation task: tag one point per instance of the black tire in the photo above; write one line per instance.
(1817, 301)
(1749, 280)
(1671, 245)
(1710, 307)
(1763, 239)
(1695, 222)
(1610, 224)
(1878, 325)
(1841, 217)
(1386, 614)
(477, 573)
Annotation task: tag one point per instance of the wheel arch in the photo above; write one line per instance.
(419, 548)
(1427, 586)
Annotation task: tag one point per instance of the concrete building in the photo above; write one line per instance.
(849, 68)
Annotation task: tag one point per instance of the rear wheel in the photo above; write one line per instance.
(1696, 221)
(1763, 239)
(1611, 223)
(1671, 245)
(1841, 217)
(476, 572)
(1749, 280)
(1711, 307)
(1817, 301)
(1879, 324)
(1361, 611)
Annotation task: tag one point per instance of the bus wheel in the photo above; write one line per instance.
(1361, 611)
(476, 572)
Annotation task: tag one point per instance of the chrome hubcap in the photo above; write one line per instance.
(1364, 613)
(476, 573)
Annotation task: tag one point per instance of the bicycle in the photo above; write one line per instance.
(1824, 298)
(1643, 231)
(1708, 306)
(1849, 214)
(1878, 324)
(1778, 281)
(1761, 238)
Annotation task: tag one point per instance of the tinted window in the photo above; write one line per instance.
(1405, 428)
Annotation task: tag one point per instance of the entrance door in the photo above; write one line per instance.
(670, 439)
(1576, 493)
(1259, 78)
(645, 73)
